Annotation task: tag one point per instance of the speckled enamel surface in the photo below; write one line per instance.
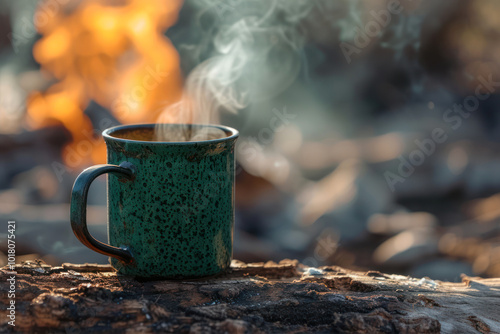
(177, 215)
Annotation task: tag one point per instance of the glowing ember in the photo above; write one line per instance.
(112, 52)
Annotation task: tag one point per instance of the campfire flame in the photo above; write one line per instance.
(110, 52)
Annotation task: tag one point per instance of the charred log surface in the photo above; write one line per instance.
(258, 297)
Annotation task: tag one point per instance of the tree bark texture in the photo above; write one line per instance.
(249, 298)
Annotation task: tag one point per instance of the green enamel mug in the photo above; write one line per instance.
(170, 203)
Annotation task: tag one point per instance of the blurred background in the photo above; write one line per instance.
(369, 129)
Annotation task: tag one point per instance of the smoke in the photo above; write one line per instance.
(256, 49)
(256, 55)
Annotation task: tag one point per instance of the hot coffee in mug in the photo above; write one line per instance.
(170, 203)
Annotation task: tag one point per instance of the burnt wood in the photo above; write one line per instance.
(250, 298)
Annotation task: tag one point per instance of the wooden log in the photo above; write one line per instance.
(249, 298)
(55, 136)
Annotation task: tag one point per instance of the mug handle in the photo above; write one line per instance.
(78, 208)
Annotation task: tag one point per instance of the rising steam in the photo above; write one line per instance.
(256, 56)
(257, 45)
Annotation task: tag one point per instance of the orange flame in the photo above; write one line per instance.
(112, 52)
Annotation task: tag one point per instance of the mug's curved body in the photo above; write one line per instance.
(176, 214)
